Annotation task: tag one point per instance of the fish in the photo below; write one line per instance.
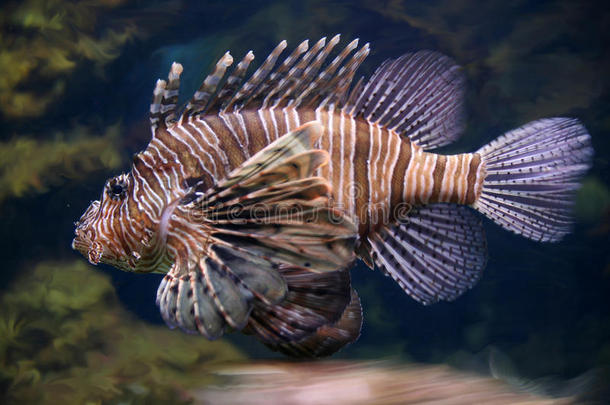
(256, 198)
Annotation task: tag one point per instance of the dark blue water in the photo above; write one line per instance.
(72, 71)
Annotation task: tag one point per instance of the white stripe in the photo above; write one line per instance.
(286, 120)
(222, 154)
(353, 166)
(331, 136)
(183, 137)
(201, 149)
(211, 158)
(264, 123)
(340, 198)
(429, 174)
(368, 164)
(463, 189)
(422, 176)
(379, 178)
(478, 180)
(297, 120)
(390, 169)
(242, 123)
(411, 167)
(150, 195)
(227, 122)
(274, 122)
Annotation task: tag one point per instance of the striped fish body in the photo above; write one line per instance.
(376, 175)
(255, 200)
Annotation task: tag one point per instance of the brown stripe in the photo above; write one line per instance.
(472, 178)
(147, 175)
(455, 196)
(228, 143)
(233, 121)
(437, 177)
(348, 144)
(306, 116)
(211, 144)
(324, 144)
(361, 175)
(280, 121)
(400, 172)
(256, 131)
(191, 165)
(194, 172)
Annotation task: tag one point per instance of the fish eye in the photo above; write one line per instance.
(117, 188)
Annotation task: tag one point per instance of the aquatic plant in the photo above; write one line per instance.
(64, 338)
(28, 165)
(43, 42)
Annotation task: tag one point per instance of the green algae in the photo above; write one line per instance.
(64, 338)
(43, 42)
(28, 165)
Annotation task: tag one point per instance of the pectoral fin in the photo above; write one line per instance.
(271, 213)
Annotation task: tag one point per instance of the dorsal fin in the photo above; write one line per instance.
(321, 82)
(202, 96)
(247, 90)
(419, 95)
(305, 70)
(165, 97)
(301, 79)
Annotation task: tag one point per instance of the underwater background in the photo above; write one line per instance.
(76, 78)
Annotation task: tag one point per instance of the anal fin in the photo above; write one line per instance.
(438, 253)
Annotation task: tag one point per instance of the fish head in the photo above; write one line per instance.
(100, 233)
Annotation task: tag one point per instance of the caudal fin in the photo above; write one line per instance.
(532, 174)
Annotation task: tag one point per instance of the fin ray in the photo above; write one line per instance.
(232, 253)
(437, 254)
(419, 95)
(532, 174)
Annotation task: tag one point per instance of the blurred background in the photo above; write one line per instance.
(76, 78)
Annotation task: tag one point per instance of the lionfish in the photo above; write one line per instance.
(256, 199)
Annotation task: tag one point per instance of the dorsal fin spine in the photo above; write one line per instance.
(321, 83)
(155, 105)
(202, 96)
(301, 80)
(170, 94)
(313, 68)
(296, 73)
(278, 79)
(235, 79)
(344, 78)
(247, 91)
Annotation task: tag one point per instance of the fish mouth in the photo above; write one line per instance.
(87, 247)
(84, 240)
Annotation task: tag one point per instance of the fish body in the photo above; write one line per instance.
(256, 199)
(374, 172)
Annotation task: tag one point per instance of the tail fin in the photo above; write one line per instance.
(532, 174)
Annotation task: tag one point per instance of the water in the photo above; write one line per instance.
(75, 91)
